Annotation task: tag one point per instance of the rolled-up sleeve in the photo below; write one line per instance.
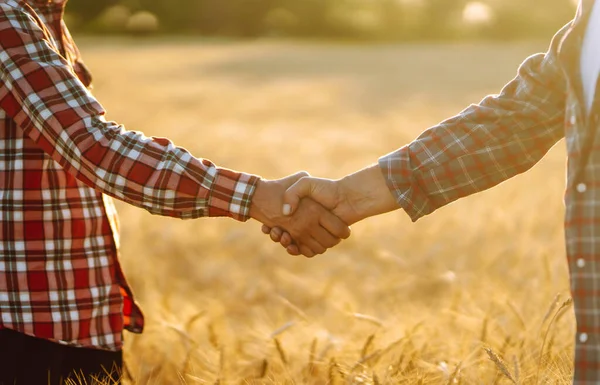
(43, 95)
(485, 144)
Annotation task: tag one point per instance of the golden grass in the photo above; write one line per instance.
(458, 298)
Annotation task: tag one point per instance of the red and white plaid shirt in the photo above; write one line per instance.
(505, 135)
(60, 159)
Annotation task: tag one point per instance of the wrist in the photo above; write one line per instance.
(367, 193)
(266, 203)
(256, 210)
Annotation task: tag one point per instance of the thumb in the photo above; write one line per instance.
(291, 179)
(291, 198)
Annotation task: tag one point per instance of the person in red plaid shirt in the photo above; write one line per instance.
(554, 95)
(64, 301)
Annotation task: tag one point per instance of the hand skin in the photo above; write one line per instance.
(313, 228)
(353, 198)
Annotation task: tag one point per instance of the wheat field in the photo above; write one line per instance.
(476, 293)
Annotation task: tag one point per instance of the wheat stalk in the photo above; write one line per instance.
(567, 303)
(484, 329)
(283, 328)
(551, 309)
(311, 369)
(375, 379)
(335, 368)
(368, 318)
(454, 374)
(331, 371)
(516, 370)
(292, 307)
(280, 351)
(367, 345)
(264, 368)
(373, 356)
(500, 364)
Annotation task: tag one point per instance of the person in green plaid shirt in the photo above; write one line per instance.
(553, 96)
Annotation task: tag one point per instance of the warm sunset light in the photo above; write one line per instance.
(438, 130)
(477, 13)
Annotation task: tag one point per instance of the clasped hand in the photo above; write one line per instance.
(312, 227)
(350, 199)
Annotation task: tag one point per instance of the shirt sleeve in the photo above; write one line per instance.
(43, 95)
(485, 144)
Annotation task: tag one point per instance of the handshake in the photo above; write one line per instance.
(309, 215)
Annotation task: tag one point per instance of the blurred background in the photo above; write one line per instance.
(374, 20)
(271, 87)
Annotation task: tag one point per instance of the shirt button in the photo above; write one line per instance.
(581, 263)
(583, 337)
(573, 120)
(581, 187)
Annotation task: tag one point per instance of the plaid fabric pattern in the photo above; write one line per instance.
(60, 160)
(505, 135)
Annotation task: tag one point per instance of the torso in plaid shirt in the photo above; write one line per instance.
(507, 134)
(60, 159)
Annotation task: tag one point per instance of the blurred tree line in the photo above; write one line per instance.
(354, 19)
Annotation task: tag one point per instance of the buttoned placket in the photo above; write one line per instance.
(583, 124)
(591, 124)
(581, 188)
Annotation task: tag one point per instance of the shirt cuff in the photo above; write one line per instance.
(231, 194)
(400, 177)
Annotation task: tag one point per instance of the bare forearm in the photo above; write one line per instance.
(366, 194)
(355, 197)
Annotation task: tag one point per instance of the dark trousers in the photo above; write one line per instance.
(26, 360)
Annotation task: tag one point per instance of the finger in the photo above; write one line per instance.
(324, 238)
(293, 195)
(306, 251)
(314, 246)
(265, 229)
(276, 234)
(286, 240)
(293, 250)
(334, 225)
